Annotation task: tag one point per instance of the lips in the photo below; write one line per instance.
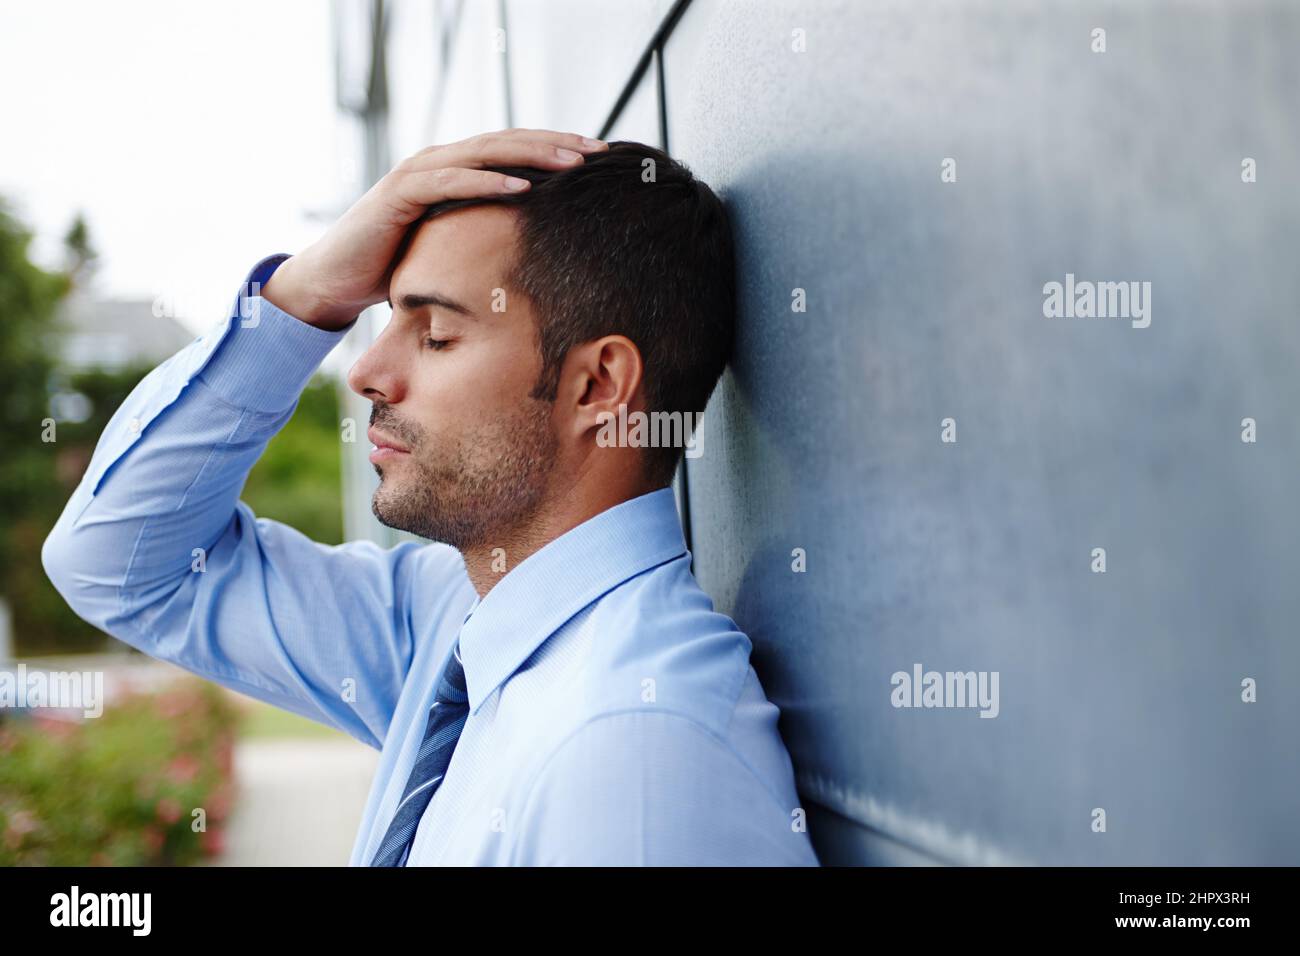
(380, 440)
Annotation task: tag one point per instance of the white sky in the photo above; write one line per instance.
(196, 138)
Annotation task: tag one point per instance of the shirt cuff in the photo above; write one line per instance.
(266, 356)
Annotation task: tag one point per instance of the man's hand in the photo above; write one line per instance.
(331, 281)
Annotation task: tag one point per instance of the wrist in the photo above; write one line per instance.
(284, 291)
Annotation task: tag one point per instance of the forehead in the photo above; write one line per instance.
(464, 249)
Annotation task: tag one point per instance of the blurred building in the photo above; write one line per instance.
(115, 333)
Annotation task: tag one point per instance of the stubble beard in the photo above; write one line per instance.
(483, 491)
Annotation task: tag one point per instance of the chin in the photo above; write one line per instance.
(381, 498)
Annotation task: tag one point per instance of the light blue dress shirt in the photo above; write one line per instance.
(614, 715)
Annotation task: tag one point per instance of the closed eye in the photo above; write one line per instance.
(436, 344)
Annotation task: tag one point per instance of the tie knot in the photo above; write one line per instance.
(451, 686)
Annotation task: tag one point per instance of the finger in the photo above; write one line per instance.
(542, 149)
(419, 189)
(574, 141)
(502, 151)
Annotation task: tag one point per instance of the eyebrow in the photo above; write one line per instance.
(418, 300)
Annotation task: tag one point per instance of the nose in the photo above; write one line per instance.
(375, 375)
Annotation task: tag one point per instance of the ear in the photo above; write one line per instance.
(599, 376)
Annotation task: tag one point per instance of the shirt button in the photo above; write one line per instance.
(134, 426)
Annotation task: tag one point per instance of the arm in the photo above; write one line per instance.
(646, 788)
(155, 548)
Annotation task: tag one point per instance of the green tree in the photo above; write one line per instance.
(297, 480)
(29, 298)
(81, 254)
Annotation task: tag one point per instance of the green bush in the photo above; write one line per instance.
(120, 789)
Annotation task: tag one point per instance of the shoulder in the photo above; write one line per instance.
(659, 788)
(667, 753)
(657, 642)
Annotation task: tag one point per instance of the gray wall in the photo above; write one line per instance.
(1119, 690)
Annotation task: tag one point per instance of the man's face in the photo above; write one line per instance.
(464, 452)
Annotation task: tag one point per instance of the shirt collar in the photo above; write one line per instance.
(558, 580)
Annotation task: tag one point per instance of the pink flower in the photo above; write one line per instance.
(218, 802)
(147, 786)
(169, 810)
(21, 823)
(212, 841)
(54, 727)
(183, 769)
(153, 840)
(174, 702)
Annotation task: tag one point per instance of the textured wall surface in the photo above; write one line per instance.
(1119, 691)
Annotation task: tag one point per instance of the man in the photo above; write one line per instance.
(547, 683)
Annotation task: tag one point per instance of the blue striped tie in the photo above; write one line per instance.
(446, 720)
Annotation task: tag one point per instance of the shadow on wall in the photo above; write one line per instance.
(925, 306)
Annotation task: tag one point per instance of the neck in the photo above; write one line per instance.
(561, 511)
